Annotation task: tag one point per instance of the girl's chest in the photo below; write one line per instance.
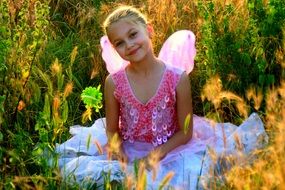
(144, 90)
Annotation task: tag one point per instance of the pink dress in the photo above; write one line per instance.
(145, 126)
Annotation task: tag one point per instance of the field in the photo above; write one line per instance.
(50, 52)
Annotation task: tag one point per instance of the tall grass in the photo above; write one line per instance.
(49, 53)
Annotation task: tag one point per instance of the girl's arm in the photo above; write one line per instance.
(184, 107)
(112, 118)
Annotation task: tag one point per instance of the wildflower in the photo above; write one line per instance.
(242, 108)
(99, 147)
(21, 105)
(256, 95)
(56, 102)
(25, 74)
(87, 115)
(152, 162)
(68, 89)
(142, 180)
(128, 182)
(281, 89)
(73, 54)
(212, 91)
(94, 73)
(56, 105)
(56, 67)
(187, 123)
(166, 180)
(114, 146)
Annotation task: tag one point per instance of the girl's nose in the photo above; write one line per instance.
(129, 44)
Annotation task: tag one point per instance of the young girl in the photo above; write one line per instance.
(147, 101)
(149, 114)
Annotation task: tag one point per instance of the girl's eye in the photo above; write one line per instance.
(133, 34)
(118, 44)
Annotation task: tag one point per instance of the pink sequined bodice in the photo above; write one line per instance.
(154, 122)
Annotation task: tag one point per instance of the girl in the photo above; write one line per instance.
(149, 114)
(146, 101)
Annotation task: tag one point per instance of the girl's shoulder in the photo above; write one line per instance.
(118, 77)
(117, 73)
(172, 76)
(174, 70)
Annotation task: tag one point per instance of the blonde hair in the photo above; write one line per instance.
(125, 12)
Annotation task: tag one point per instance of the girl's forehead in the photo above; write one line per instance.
(125, 23)
(122, 27)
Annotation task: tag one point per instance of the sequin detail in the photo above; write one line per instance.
(154, 122)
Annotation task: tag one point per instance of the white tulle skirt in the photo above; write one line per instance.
(80, 162)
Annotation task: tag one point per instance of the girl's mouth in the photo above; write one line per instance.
(133, 51)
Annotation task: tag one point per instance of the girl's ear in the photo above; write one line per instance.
(149, 30)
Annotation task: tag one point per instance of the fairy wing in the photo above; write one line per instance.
(112, 59)
(178, 50)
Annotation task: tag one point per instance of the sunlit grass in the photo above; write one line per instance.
(49, 61)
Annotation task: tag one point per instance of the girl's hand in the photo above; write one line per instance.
(117, 155)
(143, 162)
(151, 161)
(114, 148)
(121, 156)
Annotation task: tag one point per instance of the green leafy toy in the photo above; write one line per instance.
(92, 98)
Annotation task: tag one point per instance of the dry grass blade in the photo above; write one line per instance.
(166, 180)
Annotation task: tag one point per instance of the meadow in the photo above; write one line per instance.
(50, 52)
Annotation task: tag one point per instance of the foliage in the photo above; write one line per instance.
(24, 28)
(35, 91)
(50, 60)
(239, 42)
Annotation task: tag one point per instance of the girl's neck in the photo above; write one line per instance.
(145, 67)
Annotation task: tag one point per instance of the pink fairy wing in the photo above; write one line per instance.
(179, 50)
(112, 59)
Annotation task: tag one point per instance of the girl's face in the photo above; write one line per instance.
(130, 40)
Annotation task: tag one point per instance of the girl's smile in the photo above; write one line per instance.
(134, 51)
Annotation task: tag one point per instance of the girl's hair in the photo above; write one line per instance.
(125, 12)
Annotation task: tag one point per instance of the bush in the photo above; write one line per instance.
(239, 44)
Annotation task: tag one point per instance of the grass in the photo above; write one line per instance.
(239, 69)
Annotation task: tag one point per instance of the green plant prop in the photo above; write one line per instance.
(92, 98)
